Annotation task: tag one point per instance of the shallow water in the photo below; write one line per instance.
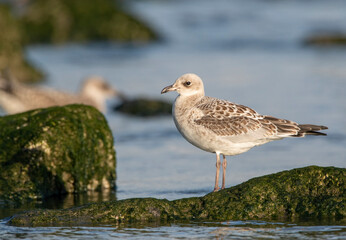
(192, 230)
(250, 53)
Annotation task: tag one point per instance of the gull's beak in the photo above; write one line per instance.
(168, 89)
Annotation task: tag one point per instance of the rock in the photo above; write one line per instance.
(55, 150)
(11, 48)
(310, 193)
(59, 21)
(326, 39)
(144, 107)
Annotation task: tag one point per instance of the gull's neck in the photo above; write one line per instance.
(95, 98)
(185, 102)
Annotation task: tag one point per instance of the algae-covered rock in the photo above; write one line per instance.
(310, 193)
(144, 107)
(11, 49)
(59, 21)
(326, 39)
(55, 150)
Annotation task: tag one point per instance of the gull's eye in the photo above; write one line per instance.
(104, 86)
(188, 83)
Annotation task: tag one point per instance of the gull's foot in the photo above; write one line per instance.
(216, 189)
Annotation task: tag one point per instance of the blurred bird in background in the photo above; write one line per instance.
(16, 97)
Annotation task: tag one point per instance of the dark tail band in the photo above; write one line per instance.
(309, 129)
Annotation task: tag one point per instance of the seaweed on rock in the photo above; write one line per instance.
(53, 151)
(310, 193)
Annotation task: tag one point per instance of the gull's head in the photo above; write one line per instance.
(97, 90)
(97, 87)
(186, 85)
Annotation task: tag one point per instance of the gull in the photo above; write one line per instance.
(17, 97)
(223, 127)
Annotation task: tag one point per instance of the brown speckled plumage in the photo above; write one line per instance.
(226, 128)
(227, 119)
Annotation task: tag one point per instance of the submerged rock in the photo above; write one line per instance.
(144, 107)
(53, 151)
(310, 193)
(81, 20)
(326, 39)
(12, 55)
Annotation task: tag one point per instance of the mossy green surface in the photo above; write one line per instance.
(55, 150)
(59, 21)
(310, 193)
(144, 107)
(11, 48)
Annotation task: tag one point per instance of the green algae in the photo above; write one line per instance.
(310, 193)
(60, 21)
(12, 55)
(53, 151)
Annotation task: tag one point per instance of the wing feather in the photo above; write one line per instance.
(228, 119)
(229, 126)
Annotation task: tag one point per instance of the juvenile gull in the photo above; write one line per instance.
(17, 97)
(226, 128)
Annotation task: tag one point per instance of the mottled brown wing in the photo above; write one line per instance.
(285, 127)
(229, 126)
(228, 119)
(223, 109)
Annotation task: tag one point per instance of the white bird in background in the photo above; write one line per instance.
(226, 128)
(17, 97)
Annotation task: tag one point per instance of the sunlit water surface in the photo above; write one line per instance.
(193, 230)
(249, 53)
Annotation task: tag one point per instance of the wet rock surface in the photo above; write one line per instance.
(326, 39)
(58, 22)
(12, 54)
(81, 20)
(55, 150)
(144, 107)
(310, 193)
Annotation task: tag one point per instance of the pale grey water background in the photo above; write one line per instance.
(246, 52)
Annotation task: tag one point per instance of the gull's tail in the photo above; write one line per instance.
(310, 129)
(287, 128)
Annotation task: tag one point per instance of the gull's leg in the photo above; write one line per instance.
(218, 163)
(224, 166)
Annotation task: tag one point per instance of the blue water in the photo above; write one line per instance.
(246, 52)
